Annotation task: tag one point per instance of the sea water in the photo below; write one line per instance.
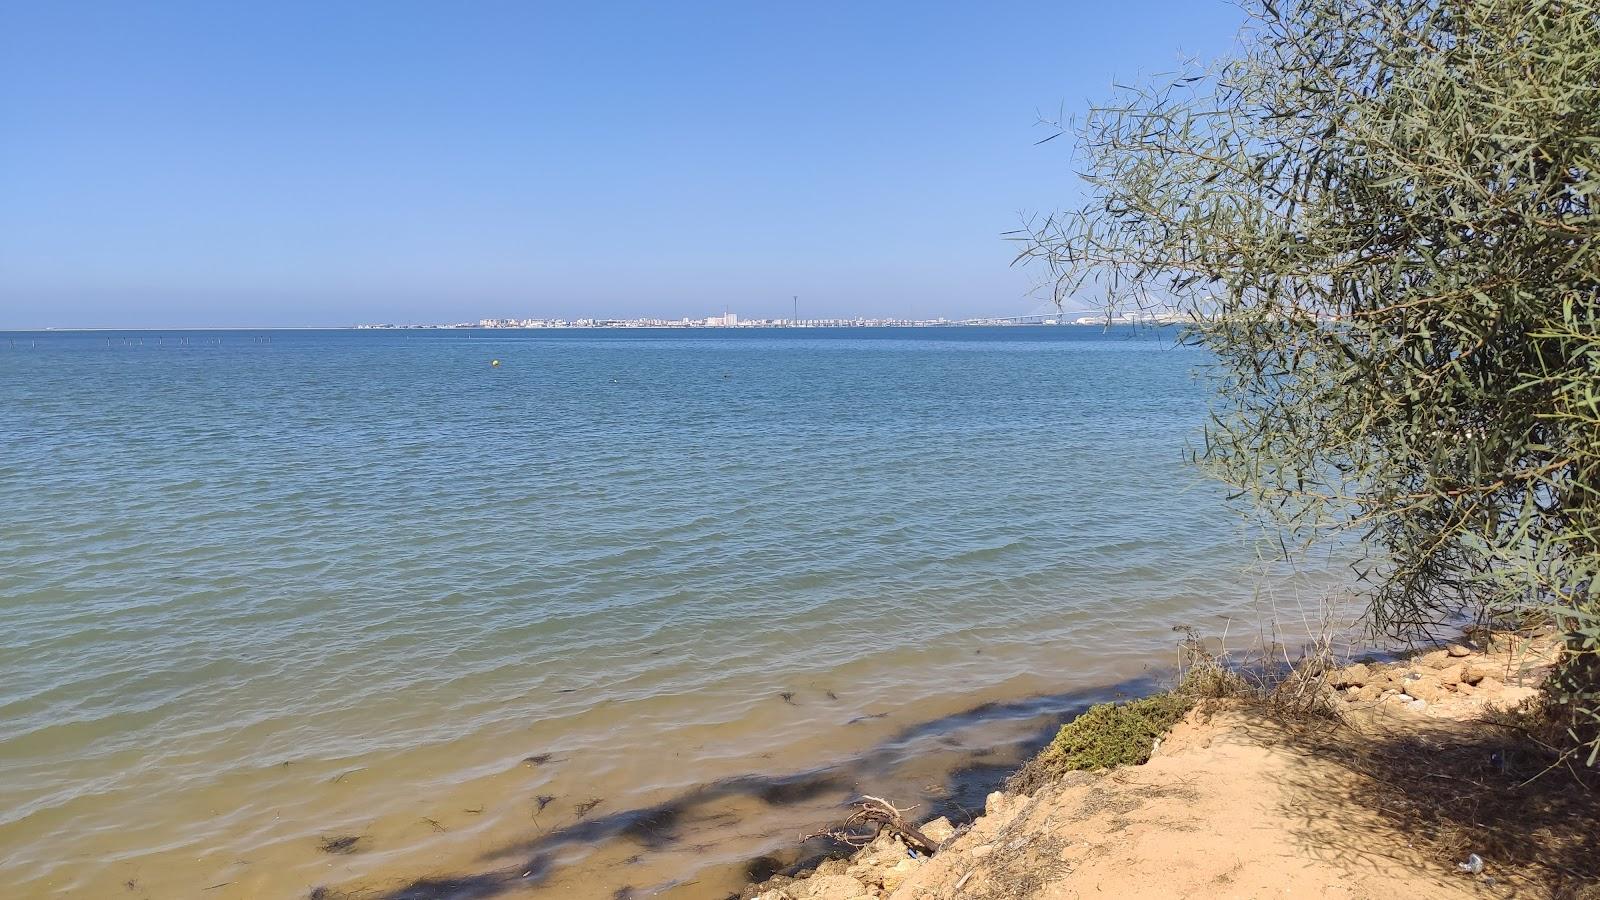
(623, 612)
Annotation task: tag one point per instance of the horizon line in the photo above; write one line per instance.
(949, 324)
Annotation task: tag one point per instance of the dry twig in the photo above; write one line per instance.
(879, 815)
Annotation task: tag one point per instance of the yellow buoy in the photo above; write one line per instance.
(495, 363)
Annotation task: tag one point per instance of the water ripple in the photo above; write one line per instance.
(223, 563)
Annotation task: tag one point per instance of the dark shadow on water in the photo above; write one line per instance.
(662, 825)
(471, 887)
(465, 887)
(658, 826)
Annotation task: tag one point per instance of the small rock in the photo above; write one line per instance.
(995, 804)
(833, 867)
(884, 856)
(833, 887)
(1352, 676)
(1483, 670)
(896, 876)
(886, 843)
(1438, 659)
(866, 873)
(1370, 692)
(938, 830)
(1451, 675)
(1458, 651)
(1427, 689)
(982, 850)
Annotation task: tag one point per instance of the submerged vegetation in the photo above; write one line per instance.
(1380, 217)
(338, 844)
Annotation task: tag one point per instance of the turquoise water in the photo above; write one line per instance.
(224, 551)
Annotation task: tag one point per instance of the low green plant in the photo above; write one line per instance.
(1105, 736)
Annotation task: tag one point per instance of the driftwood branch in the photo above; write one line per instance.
(879, 815)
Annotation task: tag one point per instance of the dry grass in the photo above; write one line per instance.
(1110, 735)
(1282, 687)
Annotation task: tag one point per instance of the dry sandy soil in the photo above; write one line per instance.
(1237, 804)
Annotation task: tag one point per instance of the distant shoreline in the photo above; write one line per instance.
(836, 326)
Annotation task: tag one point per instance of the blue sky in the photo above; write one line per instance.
(289, 163)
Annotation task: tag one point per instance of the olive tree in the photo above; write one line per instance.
(1380, 217)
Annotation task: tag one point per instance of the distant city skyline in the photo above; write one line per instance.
(192, 164)
(731, 319)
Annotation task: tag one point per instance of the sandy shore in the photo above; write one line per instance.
(1416, 793)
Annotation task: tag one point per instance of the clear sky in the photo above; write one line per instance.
(326, 163)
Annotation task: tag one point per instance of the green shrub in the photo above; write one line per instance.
(1107, 735)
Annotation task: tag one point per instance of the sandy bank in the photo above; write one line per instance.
(1233, 803)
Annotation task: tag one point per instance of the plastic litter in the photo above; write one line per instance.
(1473, 865)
